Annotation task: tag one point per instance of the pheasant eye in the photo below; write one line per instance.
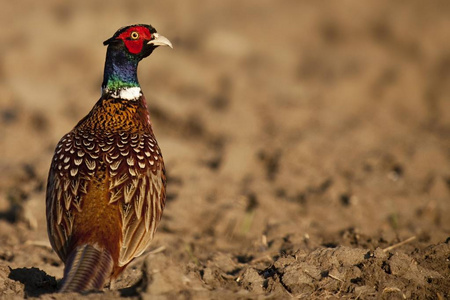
(134, 35)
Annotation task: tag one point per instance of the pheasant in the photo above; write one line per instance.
(106, 184)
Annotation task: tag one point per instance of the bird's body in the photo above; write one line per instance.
(106, 185)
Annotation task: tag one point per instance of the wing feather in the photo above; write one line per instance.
(65, 191)
(148, 199)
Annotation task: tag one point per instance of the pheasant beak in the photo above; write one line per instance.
(160, 40)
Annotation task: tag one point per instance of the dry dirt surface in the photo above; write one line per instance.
(307, 145)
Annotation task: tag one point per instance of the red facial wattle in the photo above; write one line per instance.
(135, 45)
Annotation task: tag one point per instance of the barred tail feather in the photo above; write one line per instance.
(87, 268)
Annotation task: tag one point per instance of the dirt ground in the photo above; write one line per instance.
(307, 145)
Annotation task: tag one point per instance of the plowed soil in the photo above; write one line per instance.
(307, 145)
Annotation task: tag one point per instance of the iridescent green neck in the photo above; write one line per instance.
(120, 70)
(117, 83)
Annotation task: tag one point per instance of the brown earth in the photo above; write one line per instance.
(304, 141)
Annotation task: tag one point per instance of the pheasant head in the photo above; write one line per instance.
(126, 48)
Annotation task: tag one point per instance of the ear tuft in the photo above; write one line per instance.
(108, 41)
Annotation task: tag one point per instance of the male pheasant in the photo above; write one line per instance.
(106, 185)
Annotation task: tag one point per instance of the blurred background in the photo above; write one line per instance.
(284, 126)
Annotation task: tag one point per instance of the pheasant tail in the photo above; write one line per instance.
(87, 268)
